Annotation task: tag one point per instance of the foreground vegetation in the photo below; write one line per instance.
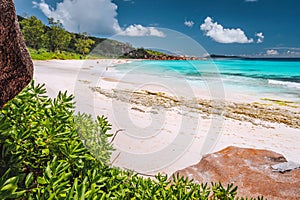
(43, 150)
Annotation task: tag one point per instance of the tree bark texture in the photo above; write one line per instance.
(16, 67)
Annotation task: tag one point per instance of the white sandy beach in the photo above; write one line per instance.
(154, 139)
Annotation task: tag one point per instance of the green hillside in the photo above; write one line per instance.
(54, 42)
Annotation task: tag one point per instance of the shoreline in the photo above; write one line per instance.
(244, 124)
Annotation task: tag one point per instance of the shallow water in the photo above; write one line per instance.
(261, 78)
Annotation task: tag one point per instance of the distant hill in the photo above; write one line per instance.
(266, 58)
(104, 47)
(222, 56)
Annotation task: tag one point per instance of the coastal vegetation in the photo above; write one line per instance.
(43, 54)
(52, 41)
(44, 155)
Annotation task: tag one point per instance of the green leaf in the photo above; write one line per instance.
(73, 189)
(28, 180)
(48, 171)
(41, 180)
(83, 188)
(45, 152)
(102, 180)
(17, 195)
(12, 180)
(9, 188)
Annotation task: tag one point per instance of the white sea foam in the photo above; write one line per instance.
(284, 83)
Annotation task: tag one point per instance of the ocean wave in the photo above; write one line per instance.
(284, 83)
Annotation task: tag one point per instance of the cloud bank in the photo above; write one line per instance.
(137, 30)
(283, 51)
(189, 23)
(223, 35)
(95, 17)
(272, 52)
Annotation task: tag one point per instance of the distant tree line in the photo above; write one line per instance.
(53, 37)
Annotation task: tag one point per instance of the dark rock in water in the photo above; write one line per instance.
(16, 67)
(250, 170)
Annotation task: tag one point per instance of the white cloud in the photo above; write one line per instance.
(95, 17)
(251, 0)
(272, 52)
(286, 48)
(129, 1)
(223, 35)
(260, 38)
(189, 23)
(92, 16)
(139, 30)
(43, 7)
(293, 53)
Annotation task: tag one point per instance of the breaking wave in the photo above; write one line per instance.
(284, 83)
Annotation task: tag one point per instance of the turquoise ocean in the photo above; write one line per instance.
(261, 77)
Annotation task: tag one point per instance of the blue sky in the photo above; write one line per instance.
(231, 27)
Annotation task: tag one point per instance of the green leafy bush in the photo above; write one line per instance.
(43, 54)
(43, 155)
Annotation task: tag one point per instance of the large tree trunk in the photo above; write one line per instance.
(16, 67)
